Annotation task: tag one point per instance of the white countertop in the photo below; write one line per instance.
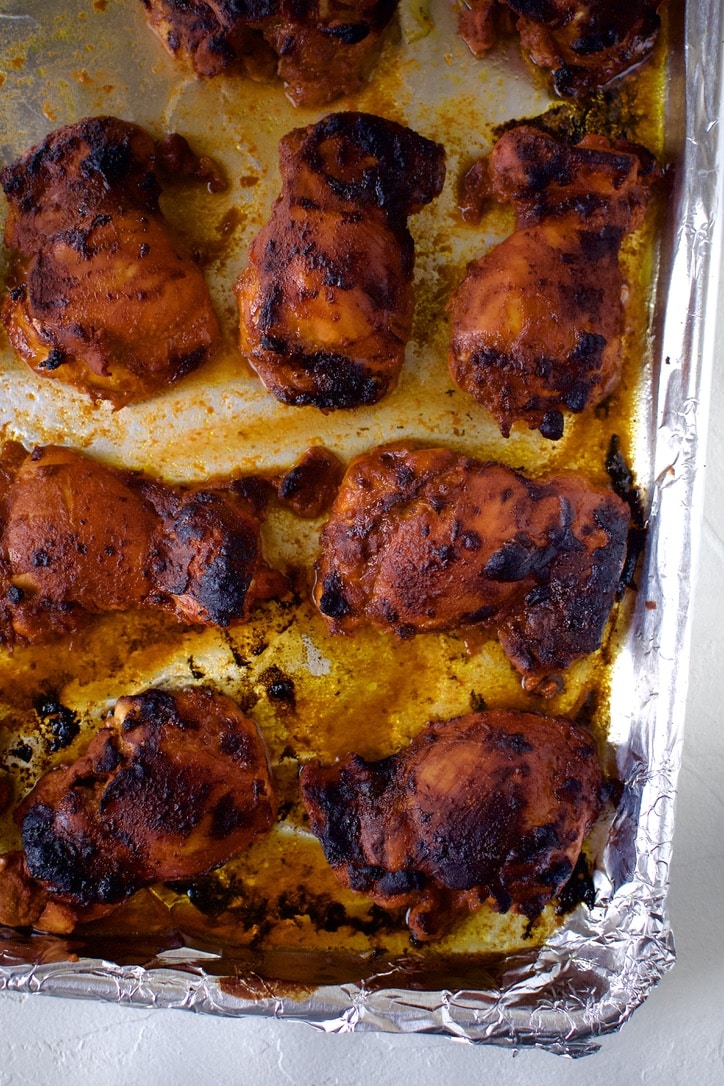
(676, 1037)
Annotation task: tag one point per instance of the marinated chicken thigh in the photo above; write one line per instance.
(585, 43)
(326, 304)
(78, 538)
(426, 540)
(102, 296)
(537, 323)
(172, 787)
(492, 806)
(321, 51)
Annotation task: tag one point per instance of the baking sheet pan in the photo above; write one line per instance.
(595, 969)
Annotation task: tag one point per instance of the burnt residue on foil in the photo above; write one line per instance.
(580, 977)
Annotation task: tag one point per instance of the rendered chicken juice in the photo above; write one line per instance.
(277, 912)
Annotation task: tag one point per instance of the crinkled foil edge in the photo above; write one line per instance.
(603, 963)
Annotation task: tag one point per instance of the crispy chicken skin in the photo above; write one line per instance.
(326, 304)
(492, 806)
(426, 540)
(321, 50)
(585, 43)
(170, 788)
(78, 538)
(537, 323)
(103, 296)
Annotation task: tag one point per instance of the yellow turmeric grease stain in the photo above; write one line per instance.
(367, 693)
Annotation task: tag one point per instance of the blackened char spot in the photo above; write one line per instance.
(221, 585)
(515, 742)
(339, 382)
(589, 348)
(537, 841)
(154, 708)
(481, 615)
(279, 687)
(221, 47)
(347, 33)
(539, 10)
(622, 481)
(72, 868)
(333, 602)
(112, 160)
(552, 425)
(269, 308)
(400, 882)
(602, 244)
(208, 895)
(235, 744)
(22, 751)
(185, 363)
(226, 817)
(54, 361)
(109, 759)
(251, 11)
(579, 888)
(512, 562)
(275, 344)
(332, 805)
(576, 397)
(365, 877)
(62, 721)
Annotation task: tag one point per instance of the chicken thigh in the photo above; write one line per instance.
(426, 540)
(320, 50)
(537, 323)
(326, 304)
(585, 43)
(102, 295)
(171, 787)
(488, 807)
(78, 538)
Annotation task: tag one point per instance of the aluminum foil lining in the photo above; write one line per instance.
(602, 963)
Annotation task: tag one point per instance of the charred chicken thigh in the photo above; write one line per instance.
(172, 787)
(426, 540)
(326, 304)
(492, 806)
(102, 296)
(585, 43)
(78, 538)
(321, 50)
(537, 323)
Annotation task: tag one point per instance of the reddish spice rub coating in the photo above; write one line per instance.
(326, 304)
(585, 43)
(78, 538)
(170, 788)
(310, 486)
(320, 51)
(537, 323)
(427, 540)
(492, 806)
(102, 295)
